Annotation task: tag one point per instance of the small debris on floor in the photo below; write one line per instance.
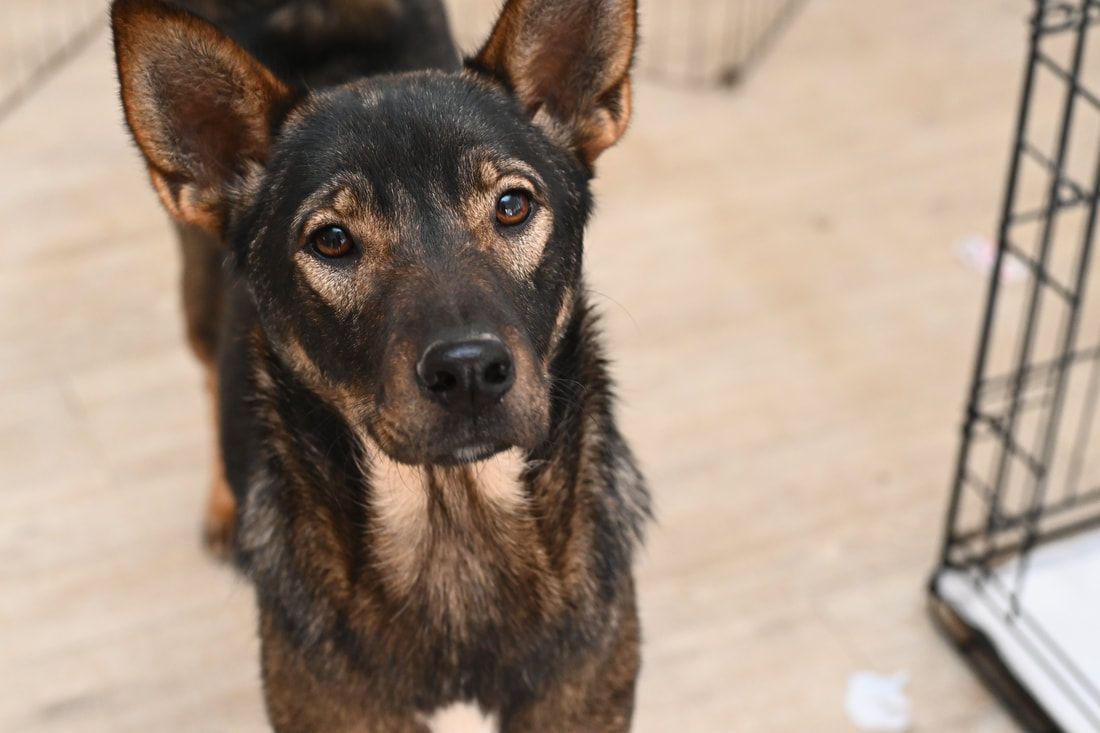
(878, 703)
(979, 253)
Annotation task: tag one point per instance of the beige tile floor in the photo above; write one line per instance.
(792, 332)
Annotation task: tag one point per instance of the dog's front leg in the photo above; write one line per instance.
(597, 696)
(299, 702)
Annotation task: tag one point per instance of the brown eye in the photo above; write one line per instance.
(331, 242)
(513, 208)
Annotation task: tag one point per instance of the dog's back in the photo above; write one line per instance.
(317, 43)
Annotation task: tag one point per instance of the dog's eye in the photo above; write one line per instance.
(331, 242)
(513, 208)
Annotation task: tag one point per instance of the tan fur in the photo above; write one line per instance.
(304, 366)
(221, 514)
(400, 524)
(608, 126)
(410, 542)
(345, 202)
(220, 519)
(187, 203)
(558, 131)
(560, 324)
(498, 481)
(520, 249)
(340, 288)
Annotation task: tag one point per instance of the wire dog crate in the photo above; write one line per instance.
(693, 42)
(39, 36)
(1017, 589)
(690, 42)
(709, 42)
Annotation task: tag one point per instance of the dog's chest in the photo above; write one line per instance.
(460, 541)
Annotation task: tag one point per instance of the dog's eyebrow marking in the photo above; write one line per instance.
(347, 195)
(494, 169)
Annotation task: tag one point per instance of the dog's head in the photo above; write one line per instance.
(412, 242)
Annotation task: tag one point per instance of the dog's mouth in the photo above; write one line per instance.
(447, 456)
(476, 453)
(452, 446)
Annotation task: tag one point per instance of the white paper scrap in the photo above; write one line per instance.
(878, 703)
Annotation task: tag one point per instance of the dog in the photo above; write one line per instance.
(418, 466)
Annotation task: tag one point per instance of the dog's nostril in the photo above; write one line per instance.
(497, 372)
(442, 382)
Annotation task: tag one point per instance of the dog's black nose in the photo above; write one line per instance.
(467, 375)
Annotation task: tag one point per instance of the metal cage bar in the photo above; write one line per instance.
(688, 42)
(1023, 474)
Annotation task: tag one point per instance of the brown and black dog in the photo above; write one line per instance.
(419, 469)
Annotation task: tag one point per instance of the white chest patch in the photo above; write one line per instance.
(460, 718)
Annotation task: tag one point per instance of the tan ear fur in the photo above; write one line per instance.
(568, 62)
(201, 109)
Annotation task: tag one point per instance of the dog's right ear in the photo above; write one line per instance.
(201, 109)
(568, 63)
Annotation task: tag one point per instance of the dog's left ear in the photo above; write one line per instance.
(568, 62)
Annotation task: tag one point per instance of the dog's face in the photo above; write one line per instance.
(413, 242)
